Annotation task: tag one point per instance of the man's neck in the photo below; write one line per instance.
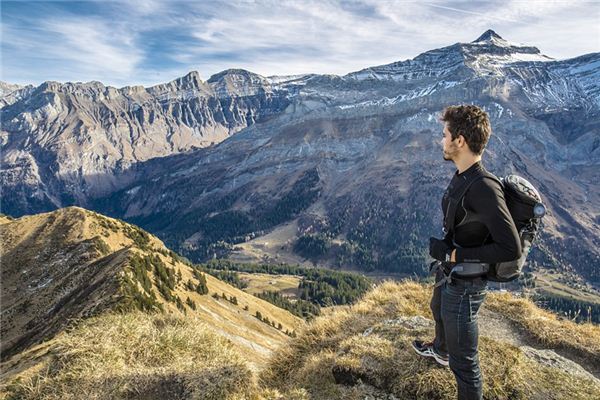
(464, 163)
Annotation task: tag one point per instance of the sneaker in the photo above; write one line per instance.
(426, 349)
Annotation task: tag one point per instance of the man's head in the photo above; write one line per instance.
(466, 131)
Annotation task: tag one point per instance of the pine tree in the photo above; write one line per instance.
(191, 303)
(201, 288)
(190, 285)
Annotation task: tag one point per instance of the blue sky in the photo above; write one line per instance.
(146, 42)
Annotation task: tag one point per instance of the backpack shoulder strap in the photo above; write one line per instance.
(449, 218)
(488, 174)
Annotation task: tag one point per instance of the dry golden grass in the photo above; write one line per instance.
(385, 361)
(259, 282)
(547, 327)
(142, 356)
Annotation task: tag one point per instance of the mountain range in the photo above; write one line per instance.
(340, 171)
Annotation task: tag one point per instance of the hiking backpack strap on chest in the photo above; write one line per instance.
(457, 200)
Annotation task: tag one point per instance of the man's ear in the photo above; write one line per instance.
(460, 141)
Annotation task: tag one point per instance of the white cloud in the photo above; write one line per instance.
(277, 37)
(486, 16)
(96, 47)
(331, 39)
(70, 49)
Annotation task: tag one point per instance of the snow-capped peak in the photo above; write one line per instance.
(490, 51)
(490, 39)
(238, 82)
(487, 36)
(487, 55)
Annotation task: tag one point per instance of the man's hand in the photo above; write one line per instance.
(439, 249)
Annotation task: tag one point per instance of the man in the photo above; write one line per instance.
(480, 232)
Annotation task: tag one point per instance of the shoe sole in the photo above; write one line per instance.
(437, 358)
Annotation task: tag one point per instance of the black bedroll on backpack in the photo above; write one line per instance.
(525, 206)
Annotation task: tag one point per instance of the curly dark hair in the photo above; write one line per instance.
(471, 122)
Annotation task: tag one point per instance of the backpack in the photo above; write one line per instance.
(526, 209)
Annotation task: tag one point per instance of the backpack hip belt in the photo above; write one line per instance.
(464, 270)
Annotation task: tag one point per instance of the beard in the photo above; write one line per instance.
(450, 153)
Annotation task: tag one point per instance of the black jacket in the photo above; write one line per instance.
(484, 229)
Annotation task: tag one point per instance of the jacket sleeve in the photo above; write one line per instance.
(486, 199)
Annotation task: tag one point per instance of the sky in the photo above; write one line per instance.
(147, 42)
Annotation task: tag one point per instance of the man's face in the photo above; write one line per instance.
(449, 146)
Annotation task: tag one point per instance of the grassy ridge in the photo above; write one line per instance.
(155, 356)
(384, 360)
(547, 328)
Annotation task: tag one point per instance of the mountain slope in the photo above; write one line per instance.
(73, 264)
(355, 165)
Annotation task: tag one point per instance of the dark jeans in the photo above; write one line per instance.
(455, 307)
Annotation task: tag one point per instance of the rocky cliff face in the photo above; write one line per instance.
(354, 165)
(62, 143)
